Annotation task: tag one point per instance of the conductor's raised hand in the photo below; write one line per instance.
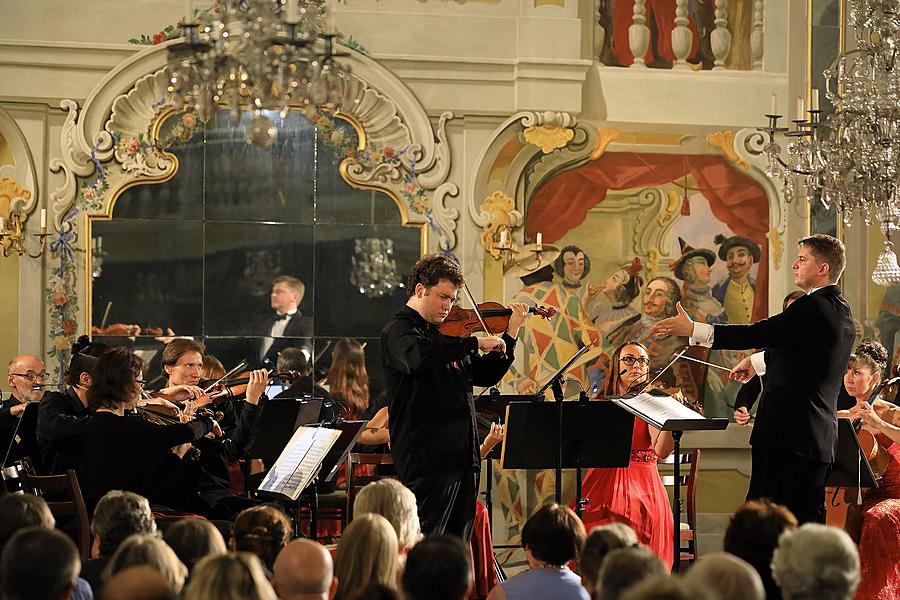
(743, 371)
(491, 343)
(680, 325)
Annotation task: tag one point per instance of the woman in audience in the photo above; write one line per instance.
(663, 587)
(263, 531)
(237, 576)
(396, 503)
(728, 576)
(876, 524)
(752, 535)
(148, 550)
(816, 562)
(193, 539)
(602, 540)
(552, 537)
(624, 568)
(129, 453)
(633, 495)
(347, 379)
(368, 552)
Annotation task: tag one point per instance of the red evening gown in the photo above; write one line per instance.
(634, 496)
(879, 544)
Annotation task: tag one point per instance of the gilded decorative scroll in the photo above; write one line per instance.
(606, 136)
(498, 205)
(724, 141)
(10, 190)
(548, 137)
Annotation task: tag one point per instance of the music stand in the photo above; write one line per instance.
(850, 467)
(278, 422)
(594, 434)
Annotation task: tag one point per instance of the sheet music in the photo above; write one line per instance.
(664, 411)
(300, 461)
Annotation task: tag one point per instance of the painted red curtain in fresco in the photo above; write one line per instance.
(734, 198)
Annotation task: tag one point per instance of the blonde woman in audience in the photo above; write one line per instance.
(367, 552)
(602, 540)
(816, 562)
(729, 576)
(148, 550)
(264, 531)
(396, 503)
(193, 539)
(237, 576)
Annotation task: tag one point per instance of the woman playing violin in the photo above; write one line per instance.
(879, 551)
(633, 495)
(128, 453)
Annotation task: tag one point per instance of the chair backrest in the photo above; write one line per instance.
(63, 496)
(687, 478)
(356, 481)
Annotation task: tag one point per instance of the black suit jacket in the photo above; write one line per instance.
(299, 326)
(807, 349)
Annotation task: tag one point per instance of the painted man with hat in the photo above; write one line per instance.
(694, 269)
(737, 291)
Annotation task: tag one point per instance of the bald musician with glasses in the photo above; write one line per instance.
(17, 435)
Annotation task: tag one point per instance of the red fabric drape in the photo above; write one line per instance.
(734, 198)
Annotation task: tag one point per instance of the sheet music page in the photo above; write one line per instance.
(660, 408)
(299, 461)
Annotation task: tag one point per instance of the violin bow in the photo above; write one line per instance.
(239, 366)
(477, 312)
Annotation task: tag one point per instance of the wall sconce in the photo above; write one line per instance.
(531, 258)
(12, 234)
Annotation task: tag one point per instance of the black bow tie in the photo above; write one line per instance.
(278, 317)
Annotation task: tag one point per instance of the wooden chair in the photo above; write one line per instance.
(62, 486)
(687, 476)
(355, 481)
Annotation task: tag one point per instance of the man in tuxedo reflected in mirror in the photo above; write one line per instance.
(286, 322)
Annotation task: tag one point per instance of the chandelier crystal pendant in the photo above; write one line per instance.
(255, 56)
(850, 160)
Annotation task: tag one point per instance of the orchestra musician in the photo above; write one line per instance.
(128, 453)
(429, 380)
(18, 438)
(633, 495)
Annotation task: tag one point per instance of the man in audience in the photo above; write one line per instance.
(438, 568)
(138, 583)
(728, 576)
(17, 426)
(752, 535)
(602, 540)
(816, 562)
(624, 568)
(39, 564)
(304, 571)
(117, 516)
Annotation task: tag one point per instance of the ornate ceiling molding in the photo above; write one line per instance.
(18, 179)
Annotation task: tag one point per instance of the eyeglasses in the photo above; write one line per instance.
(32, 376)
(141, 382)
(632, 360)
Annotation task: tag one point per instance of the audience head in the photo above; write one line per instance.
(138, 583)
(117, 379)
(119, 515)
(376, 591)
(820, 261)
(752, 534)
(84, 358)
(237, 576)
(150, 551)
(624, 568)
(39, 564)
(663, 587)
(396, 503)
(816, 562)
(24, 371)
(192, 539)
(287, 293)
(602, 540)
(304, 570)
(367, 552)
(729, 576)
(347, 377)
(438, 568)
(18, 511)
(262, 530)
(554, 535)
(293, 359)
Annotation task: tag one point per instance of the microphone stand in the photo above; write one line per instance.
(556, 386)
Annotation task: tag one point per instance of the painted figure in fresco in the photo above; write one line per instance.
(550, 342)
(737, 291)
(693, 267)
(621, 288)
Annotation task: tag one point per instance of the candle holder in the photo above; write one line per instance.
(12, 236)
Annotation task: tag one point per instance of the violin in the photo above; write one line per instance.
(463, 322)
(220, 390)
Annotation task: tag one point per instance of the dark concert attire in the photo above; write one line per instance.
(18, 437)
(61, 427)
(298, 326)
(795, 434)
(433, 437)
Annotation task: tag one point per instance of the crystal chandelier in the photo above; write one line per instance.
(256, 55)
(850, 160)
(374, 271)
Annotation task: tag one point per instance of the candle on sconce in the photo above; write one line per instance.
(773, 105)
(329, 18)
(502, 237)
(539, 239)
(292, 12)
(814, 99)
(43, 219)
(2, 224)
(99, 243)
(188, 11)
(801, 109)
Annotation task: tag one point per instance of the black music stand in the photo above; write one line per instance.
(594, 434)
(668, 414)
(850, 467)
(278, 422)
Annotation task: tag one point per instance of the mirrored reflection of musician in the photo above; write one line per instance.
(347, 379)
(63, 416)
(128, 453)
(287, 322)
(293, 359)
(17, 429)
(633, 495)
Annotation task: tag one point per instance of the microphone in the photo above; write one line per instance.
(15, 434)
(622, 372)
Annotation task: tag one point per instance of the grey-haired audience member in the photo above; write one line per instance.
(624, 568)
(816, 562)
(730, 577)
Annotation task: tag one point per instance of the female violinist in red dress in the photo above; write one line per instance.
(879, 536)
(633, 495)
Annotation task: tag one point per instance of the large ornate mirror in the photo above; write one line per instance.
(198, 253)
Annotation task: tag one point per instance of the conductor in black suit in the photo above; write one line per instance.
(287, 322)
(807, 349)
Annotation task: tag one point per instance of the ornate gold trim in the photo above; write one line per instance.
(672, 202)
(777, 247)
(605, 136)
(724, 141)
(499, 204)
(10, 189)
(548, 137)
